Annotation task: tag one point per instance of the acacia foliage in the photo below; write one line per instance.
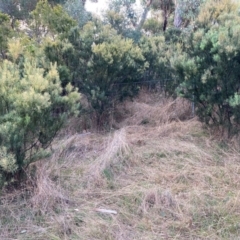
(5, 33)
(100, 62)
(210, 65)
(33, 109)
(48, 20)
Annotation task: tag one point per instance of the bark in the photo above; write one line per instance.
(144, 15)
(177, 17)
(165, 24)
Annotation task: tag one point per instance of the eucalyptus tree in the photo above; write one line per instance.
(17, 9)
(77, 11)
(186, 12)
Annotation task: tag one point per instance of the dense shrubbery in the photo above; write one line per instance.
(33, 103)
(210, 65)
(107, 60)
(32, 110)
(100, 62)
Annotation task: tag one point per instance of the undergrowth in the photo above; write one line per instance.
(166, 178)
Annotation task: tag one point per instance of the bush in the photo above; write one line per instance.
(32, 111)
(210, 66)
(101, 63)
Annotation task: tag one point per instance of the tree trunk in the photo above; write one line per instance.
(177, 17)
(144, 15)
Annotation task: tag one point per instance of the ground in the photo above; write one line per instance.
(159, 170)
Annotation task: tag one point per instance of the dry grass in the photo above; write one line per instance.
(166, 178)
(151, 111)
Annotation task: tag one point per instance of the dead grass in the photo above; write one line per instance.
(151, 110)
(166, 178)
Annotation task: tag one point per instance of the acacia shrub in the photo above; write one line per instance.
(32, 111)
(102, 64)
(209, 66)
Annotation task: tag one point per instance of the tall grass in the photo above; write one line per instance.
(166, 178)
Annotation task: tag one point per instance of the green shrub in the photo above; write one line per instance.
(32, 111)
(210, 65)
(101, 63)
